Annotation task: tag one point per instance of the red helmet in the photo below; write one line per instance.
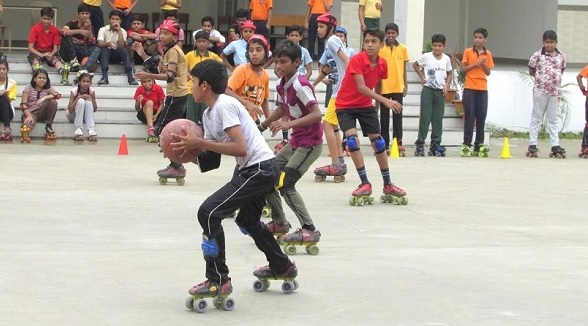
(248, 24)
(327, 19)
(262, 40)
(170, 26)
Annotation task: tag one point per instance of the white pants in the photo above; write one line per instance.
(84, 112)
(542, 103)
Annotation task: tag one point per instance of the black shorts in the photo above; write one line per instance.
(174, 108)
(367, 118)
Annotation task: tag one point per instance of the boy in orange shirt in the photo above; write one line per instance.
(249, 83)
(476, 64)
(261, 15)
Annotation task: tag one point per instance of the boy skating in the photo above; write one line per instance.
(354, 104)
(298, 103)
(229, 130)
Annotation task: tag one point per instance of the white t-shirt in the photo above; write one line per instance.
(435, 69)
(334, 45)
(228, 112)
(105, 34)
(213, 33)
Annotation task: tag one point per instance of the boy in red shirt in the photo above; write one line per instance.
(44, 42)
(148, 98)
(354, 103)
(146, 39)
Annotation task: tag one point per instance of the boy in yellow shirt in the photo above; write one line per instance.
(394, 87)
(195, 110)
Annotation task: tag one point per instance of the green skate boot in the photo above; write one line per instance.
(65, 74)
(466, 151)
(481, 151)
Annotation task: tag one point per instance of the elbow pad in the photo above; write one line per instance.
(171, 76)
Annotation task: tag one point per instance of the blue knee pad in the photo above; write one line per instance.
(352, 143)
(209, 248)
(380, 144)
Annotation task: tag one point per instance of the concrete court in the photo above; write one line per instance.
(88, 237)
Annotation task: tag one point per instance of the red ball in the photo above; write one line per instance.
(175, 127)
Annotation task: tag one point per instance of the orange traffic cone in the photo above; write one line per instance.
(122, 148)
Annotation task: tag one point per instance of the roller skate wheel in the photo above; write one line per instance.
(295, 284)
(360, 201)
(312, 250)
(180, 181)
(280, 240)
(290, 249)
(352, 201)
(265, 213)
(383, 199)
(288, 287)
(404, 200)
(260, 285)
(200, 306)
(162, 181)
(563, 155)
(217, 303)
(318, 178)
(228, 304)
(370, 200)
(190, 303)
(339, 178)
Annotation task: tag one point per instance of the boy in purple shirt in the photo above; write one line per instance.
(298, 102)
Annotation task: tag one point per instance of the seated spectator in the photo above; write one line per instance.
(78, 42)
(140, 35)
(44, 42)
(171, 15)
(39, 101)
(149, 99)
(217, 40)
(82, 105)
(7, 95)
(112, 39)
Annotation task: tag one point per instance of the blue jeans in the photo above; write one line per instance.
(116, 56)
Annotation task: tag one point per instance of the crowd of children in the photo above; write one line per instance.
(366, 88)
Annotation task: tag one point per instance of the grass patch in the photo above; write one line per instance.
(499, 132)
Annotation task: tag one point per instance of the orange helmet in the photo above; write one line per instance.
(170, 26)
(248, 24)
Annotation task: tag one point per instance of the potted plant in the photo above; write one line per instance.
(456, 85)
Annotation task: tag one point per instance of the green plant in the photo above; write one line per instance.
(427, 46)
(501, 132)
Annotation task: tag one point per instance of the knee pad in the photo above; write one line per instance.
(352, 143)
(209, 248)
(287, 180)
(380, 144)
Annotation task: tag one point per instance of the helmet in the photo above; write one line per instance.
(263, 42)
(170, 26)
(327, 19)
(260, 38)
(341, 30)
(248, 24)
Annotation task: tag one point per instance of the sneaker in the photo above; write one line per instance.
(103, 81)
(363, 190)
(303, 235)
(91, 132)
(211, 289)
(266, 272)
(276, 228)
(392, 189)
(78, 132)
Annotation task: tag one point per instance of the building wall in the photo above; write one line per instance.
(569, 34)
